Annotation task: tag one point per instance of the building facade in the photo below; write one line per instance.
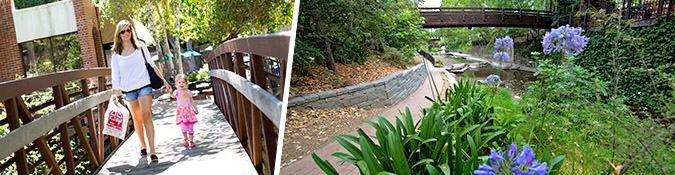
(57, 36)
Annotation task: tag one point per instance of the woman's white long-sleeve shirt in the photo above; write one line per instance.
(129, 72)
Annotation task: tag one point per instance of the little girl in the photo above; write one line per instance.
(186, 111)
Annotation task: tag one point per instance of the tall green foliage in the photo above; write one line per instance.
(454, 136)
(654, 44)
(345, 26)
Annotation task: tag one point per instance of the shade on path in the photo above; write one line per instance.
(416, 102)
(217, 150)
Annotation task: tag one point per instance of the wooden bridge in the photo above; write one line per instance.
(438, 17)
(55, 127)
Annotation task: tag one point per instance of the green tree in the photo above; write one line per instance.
(201, 20)
(343, 30)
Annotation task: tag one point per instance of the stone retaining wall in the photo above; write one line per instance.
(385, 91)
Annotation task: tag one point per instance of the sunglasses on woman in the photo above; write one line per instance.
(125, 31)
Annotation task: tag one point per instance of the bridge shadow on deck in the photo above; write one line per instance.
(217, 149)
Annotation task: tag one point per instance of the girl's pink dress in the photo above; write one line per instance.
(184, 113)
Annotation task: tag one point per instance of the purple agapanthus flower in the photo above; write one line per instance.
(501, 56)
(494, 80)
(567, 39)
(505, 43)
(517, 162)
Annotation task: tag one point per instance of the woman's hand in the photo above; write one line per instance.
(168, 87)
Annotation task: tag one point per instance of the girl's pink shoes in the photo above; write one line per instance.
(192, 144)
(185, 143)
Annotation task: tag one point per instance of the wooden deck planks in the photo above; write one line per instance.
(217, 150)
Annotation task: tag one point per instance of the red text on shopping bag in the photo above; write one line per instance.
(115, 120)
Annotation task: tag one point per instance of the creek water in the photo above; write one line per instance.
(514, 80)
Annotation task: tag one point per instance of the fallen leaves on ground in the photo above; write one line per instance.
(310, 130)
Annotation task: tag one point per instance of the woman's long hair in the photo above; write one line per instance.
(117, 43)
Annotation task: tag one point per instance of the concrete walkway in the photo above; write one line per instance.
(217, 149)
(416, 102)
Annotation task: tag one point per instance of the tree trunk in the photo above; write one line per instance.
(191, 60)
(330, 63)
(166, 43)
(155, 35)
(179, 65)
(177, 40)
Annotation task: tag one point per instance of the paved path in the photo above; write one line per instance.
(415, 102)
(217, 149)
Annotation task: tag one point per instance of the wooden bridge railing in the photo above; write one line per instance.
(61, 141)
(243, 90)
(484, 17)
(649, 9)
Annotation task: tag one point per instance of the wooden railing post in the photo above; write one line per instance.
(13, 119)
(216, 87)
(660, 8)
(628, 6)
(90, 120)
(241, 101)
(65, 138)
(99, 122)
(232, 96)
(671, 6)
(258, 77)
(282, 78)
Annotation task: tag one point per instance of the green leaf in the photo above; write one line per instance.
(324, 165)
(349, 147)
(369, 157)
(432, 170)
(397, 154)
(423, 161)
(555, 165)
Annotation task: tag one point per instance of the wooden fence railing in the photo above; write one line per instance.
(58, 142)
(487, 10)
(649, 9)
(436, 17)
(248, 93)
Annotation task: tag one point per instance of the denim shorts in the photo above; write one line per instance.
(133, 95)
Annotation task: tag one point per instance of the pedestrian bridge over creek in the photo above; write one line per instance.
(56, 126)
(439, 17)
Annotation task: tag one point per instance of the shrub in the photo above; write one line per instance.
(199, 75)
(653, 44)
(573, 112)
(452, 137)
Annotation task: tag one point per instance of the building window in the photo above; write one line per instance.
(20, 4)
(53, 54)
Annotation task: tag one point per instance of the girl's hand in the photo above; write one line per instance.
(196, 110)
(168, 87)
(172, 94)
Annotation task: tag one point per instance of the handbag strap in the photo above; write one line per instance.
(144, 59)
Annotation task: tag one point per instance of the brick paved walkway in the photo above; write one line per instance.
(415, 102)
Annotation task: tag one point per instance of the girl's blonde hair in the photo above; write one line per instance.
(182, 77)
(117, 42)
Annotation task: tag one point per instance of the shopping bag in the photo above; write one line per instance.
(116, 119)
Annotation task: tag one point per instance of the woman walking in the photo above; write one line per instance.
(130, 75)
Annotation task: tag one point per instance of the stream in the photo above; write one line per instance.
(514, 80)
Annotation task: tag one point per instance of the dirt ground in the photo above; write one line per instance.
(309, 130)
